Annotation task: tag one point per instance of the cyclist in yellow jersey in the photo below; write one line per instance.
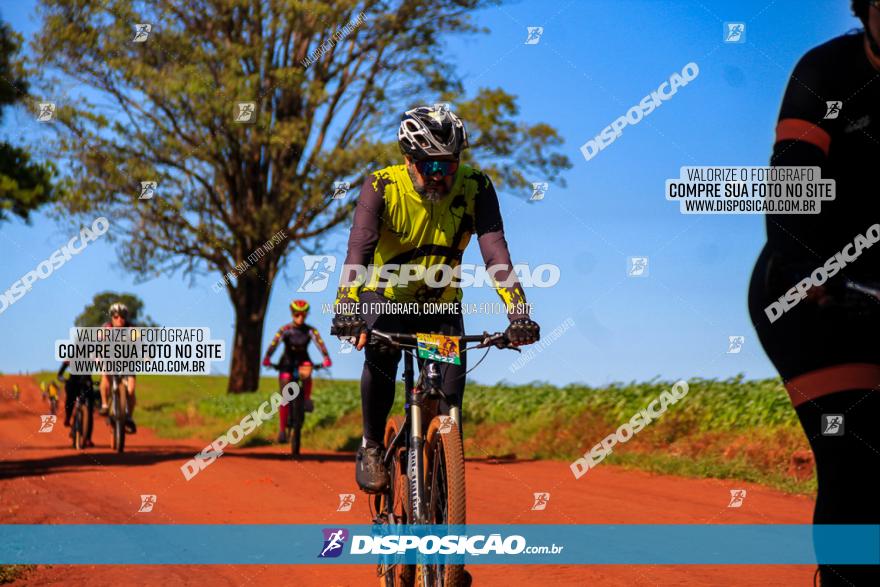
(411, 217)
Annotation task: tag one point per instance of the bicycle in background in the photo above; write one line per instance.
(82, 415)
(118, 413)
(296, 412)
(50, 394)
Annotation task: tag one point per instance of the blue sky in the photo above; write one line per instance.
(594, 61)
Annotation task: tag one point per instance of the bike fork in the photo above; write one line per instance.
(416, 463)
(455, 414)
(415, 454)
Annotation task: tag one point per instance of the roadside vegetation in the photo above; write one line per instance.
(729, 428)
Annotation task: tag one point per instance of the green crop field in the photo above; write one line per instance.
(733, 428)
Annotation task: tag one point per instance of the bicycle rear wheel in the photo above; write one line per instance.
(297, 418)
(78, 426)
(120, 401)
(395, 502)
(445, 496)
(89, 420)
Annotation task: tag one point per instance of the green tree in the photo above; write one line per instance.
(95, 314)
(328, 80)
(24, 184)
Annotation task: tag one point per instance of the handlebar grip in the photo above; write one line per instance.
(334, 331)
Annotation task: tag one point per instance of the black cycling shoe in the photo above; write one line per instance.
(130, 428)
(370, 472)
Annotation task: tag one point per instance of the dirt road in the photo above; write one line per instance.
(43, 481)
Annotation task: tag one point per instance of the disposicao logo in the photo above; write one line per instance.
(334, 539)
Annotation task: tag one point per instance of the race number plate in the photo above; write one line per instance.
(439, 347)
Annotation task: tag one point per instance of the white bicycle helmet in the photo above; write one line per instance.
(431, 131)
(119, 308)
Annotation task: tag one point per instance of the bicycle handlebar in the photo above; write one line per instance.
(315, 366)
(863, 289)
(497, 339)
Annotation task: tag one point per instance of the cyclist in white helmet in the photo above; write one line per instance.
(119, 319)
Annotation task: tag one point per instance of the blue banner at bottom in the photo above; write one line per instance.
(745, 544)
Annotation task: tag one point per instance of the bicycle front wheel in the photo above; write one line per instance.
(444, 494)
(394, 503)
(119, 414)
(112, 416)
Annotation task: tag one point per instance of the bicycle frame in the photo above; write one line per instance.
(412, 433)
(115, 385)
(85, 396)
(119, 411)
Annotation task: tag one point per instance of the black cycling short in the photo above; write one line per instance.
(73, 386)
(380, 364)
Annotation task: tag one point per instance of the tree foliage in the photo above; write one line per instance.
(25, 185)
(96, 313)
(328, 80)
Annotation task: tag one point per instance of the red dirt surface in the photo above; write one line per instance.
(44, 481)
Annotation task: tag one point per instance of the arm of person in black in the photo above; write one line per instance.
(493, 247)
(62, 369)
(267, 358)
(803, 138)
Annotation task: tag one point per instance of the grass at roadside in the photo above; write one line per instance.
(10, 573)
(732, 428)
(200, 407)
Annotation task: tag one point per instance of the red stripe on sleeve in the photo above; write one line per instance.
(795, 129)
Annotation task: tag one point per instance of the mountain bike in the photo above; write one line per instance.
(424, 454)
(118, 413)
(53, 398)
(50, 394)
(82, 421)
(296, 413)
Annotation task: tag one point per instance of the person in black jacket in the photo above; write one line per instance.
(822, 338)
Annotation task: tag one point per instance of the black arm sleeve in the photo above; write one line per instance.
(364, 235)
(803, 137)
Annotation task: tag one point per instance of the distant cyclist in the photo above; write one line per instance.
(425, 213)
(825, 346)
(296, 337)
(50, 394)
(119, 319)
(72, 387)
